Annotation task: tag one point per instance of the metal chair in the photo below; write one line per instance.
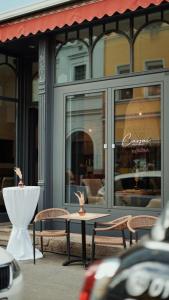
(138, 223)
(50, 215)
(119, 224)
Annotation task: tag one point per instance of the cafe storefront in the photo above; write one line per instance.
(84, 103)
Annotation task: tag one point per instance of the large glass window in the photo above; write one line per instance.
(72, 62)
(84, 147)
(35, 80)
(152, 47)
(8, 89)
(8, 81)
(120, 46)
(138, 148)
(7, 146)
(106, 51)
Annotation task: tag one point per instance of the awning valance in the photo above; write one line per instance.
(78, 13)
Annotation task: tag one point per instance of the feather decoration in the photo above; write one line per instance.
(80, 197)
(18, 172)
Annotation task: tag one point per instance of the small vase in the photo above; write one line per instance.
(81, 211)
(21, 184)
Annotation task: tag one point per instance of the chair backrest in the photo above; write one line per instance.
(121, 223)
(141, 222)
(50, 213)
(93, 185)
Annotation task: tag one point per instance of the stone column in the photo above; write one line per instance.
(44, 136)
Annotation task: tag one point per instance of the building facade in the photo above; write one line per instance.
(84, 104)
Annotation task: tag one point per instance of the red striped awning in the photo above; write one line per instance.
(69, 15)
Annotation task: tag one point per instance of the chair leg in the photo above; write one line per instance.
(93, 246)
(136, 234)
(68, 239)
(41, 243)
(124, 238)
(34, 243)
(41, 238)
(131, 238)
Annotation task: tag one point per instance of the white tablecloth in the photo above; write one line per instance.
(20, 204)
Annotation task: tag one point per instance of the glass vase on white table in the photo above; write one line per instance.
(21, 203)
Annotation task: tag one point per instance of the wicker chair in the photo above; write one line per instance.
(138, 223)
(50, 215)
(119, 224)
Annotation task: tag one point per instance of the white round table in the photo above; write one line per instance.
(20, 204)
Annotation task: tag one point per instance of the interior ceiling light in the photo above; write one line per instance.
(32, 46)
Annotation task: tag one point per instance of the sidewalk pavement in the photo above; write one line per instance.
(49, 280)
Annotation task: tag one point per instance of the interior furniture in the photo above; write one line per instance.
(154, 203)
(21, 203)
(139, 223)
(93, 185)
(83, 219)
(106, 229)
(133, 197)
(48, 220)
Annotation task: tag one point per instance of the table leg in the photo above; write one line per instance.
(83, 259)
(83, 232)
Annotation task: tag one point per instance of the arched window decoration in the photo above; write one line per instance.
(72, 62)
(111, 60)
(151, 48)
(8, 81)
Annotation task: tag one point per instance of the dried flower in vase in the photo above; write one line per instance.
(19, 174)
(80, 197)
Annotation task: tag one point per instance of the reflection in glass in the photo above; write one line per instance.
(84, 151)
(138, 148)
(106, 51)
(7, 146)
(8, 81)
(35, 82)
(72, 57)
(147, 53)
(35, 88)
(139, 21)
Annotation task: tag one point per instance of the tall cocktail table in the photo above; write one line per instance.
(20, 204)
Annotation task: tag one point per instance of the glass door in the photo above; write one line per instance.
(137, 146)
(85, 143)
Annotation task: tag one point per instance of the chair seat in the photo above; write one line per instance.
(51, 233)
(108, 240)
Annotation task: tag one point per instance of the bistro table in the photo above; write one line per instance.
(20, 204)
(83, 218)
